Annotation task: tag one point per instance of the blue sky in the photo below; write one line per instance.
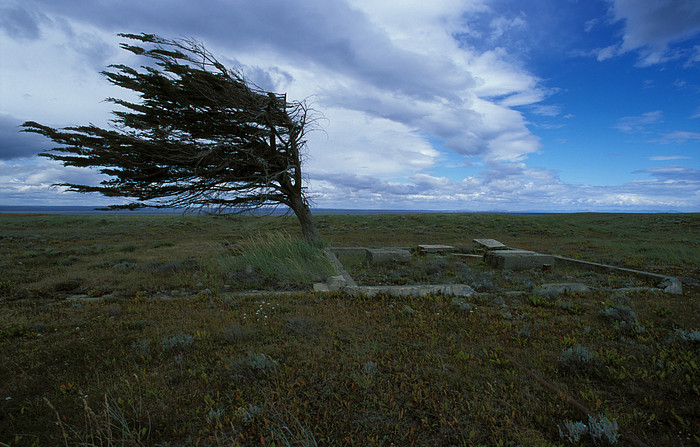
(537, 105)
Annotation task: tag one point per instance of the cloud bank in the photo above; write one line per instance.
(404, 92)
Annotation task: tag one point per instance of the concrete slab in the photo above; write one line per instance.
(436, 249)
(378, 256)
(517, 259)
(489, 244)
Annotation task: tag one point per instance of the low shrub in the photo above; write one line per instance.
(254, 367)
(624, 318)
(573, 431)
(619, 313)
(300, 326)
(235, 333)
(141, 349)
(689, 336)
(436, 267)
(603, 429)
(179, 342)
(600, 428)
(261, 362)
(578, 358)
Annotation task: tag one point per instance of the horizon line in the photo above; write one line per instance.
(99, 209)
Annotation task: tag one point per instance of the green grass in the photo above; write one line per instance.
(276, 260)
(211, 366)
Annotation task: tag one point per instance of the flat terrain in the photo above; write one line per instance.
(143, 330)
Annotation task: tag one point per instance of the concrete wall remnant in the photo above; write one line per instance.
(517, 259)
(418, 290)
(379, 256)
(425, 249)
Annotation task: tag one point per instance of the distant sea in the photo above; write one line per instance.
(87, 210)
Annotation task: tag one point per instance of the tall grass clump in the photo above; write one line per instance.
(277, 259)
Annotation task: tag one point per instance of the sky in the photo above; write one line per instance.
(450, 105)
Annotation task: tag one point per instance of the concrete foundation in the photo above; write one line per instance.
(497, 255)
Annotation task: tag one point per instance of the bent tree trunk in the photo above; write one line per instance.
(306, 219)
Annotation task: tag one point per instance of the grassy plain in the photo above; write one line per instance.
(132, 330)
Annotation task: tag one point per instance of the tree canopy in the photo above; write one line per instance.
(201, 135)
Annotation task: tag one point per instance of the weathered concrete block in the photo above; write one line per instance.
(336, 282)
(554, 290)
(672, 285)
(378, 256)
(517, 259)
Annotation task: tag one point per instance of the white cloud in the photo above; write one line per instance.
(669, 157)
(590, 25)
(546, 110)
(640, 123)
(362, 144)
(608, 52)
(501, 25)
(673, 174)
(679, 136)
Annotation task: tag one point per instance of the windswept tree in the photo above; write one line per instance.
(201, 135)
